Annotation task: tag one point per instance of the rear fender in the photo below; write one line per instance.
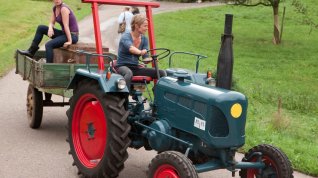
(107, 85)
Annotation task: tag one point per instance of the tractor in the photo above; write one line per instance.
(195, 124)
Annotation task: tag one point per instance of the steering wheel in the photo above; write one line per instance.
(164, 52)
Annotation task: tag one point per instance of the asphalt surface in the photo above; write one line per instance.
(43, 153)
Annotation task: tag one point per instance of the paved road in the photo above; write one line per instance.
(42, 153)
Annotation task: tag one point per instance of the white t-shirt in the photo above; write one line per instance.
(128, 16)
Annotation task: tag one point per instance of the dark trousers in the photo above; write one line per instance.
(129, 71)
(58, 40)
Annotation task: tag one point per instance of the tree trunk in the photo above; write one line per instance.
(276, 38)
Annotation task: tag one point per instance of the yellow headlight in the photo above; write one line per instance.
(236, 110)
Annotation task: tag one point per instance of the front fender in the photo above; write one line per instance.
(107, 85)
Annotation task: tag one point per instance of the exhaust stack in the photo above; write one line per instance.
(225, 59)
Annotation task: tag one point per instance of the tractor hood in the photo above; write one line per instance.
(215, 115)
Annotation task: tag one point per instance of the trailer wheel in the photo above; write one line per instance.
(171, 164)
(34, 104)
(97, 131)
(277, 163)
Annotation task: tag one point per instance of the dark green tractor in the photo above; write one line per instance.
(195, 124)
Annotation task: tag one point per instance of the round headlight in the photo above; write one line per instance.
(121, 84)
(236, 110)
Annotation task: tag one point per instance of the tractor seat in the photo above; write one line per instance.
(141, 79)
(135, 79)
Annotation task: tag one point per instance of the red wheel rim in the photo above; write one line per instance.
(166, 171)
(89, 130)
(251, 173)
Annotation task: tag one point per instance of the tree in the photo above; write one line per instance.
(275, 6)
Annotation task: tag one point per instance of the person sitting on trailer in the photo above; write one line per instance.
(132, 45)
(63, 15)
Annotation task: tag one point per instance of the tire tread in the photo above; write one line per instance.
(117, 142)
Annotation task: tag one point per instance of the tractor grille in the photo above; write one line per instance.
(218, 124)
(171, 97)
(200, 107)
(185, 102)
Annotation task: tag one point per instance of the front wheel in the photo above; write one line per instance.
(276, 163)
(98, 131)
(34, 106)
(171, 164)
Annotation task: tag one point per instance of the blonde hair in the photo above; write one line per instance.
(137, 19)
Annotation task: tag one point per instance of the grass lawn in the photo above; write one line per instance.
(18, 22)
(264, 72)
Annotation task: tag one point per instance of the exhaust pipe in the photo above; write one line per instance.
(225, 59)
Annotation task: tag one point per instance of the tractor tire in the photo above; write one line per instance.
(171, 164)
(97, 131)
(34, 104)
(277, 163)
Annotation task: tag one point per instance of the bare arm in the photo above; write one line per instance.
(50, 32)
(65, 18)
(136, 51)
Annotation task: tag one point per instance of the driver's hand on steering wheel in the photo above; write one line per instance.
(143, 52)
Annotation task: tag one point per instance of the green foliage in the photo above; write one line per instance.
(253, 2)
(309, 13)
(18, 21)
(263, 72)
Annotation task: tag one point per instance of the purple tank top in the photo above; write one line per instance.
(72, 19)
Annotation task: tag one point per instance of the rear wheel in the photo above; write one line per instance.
(171, 164)
(277, 163)
(98, 131)
(34, 106)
